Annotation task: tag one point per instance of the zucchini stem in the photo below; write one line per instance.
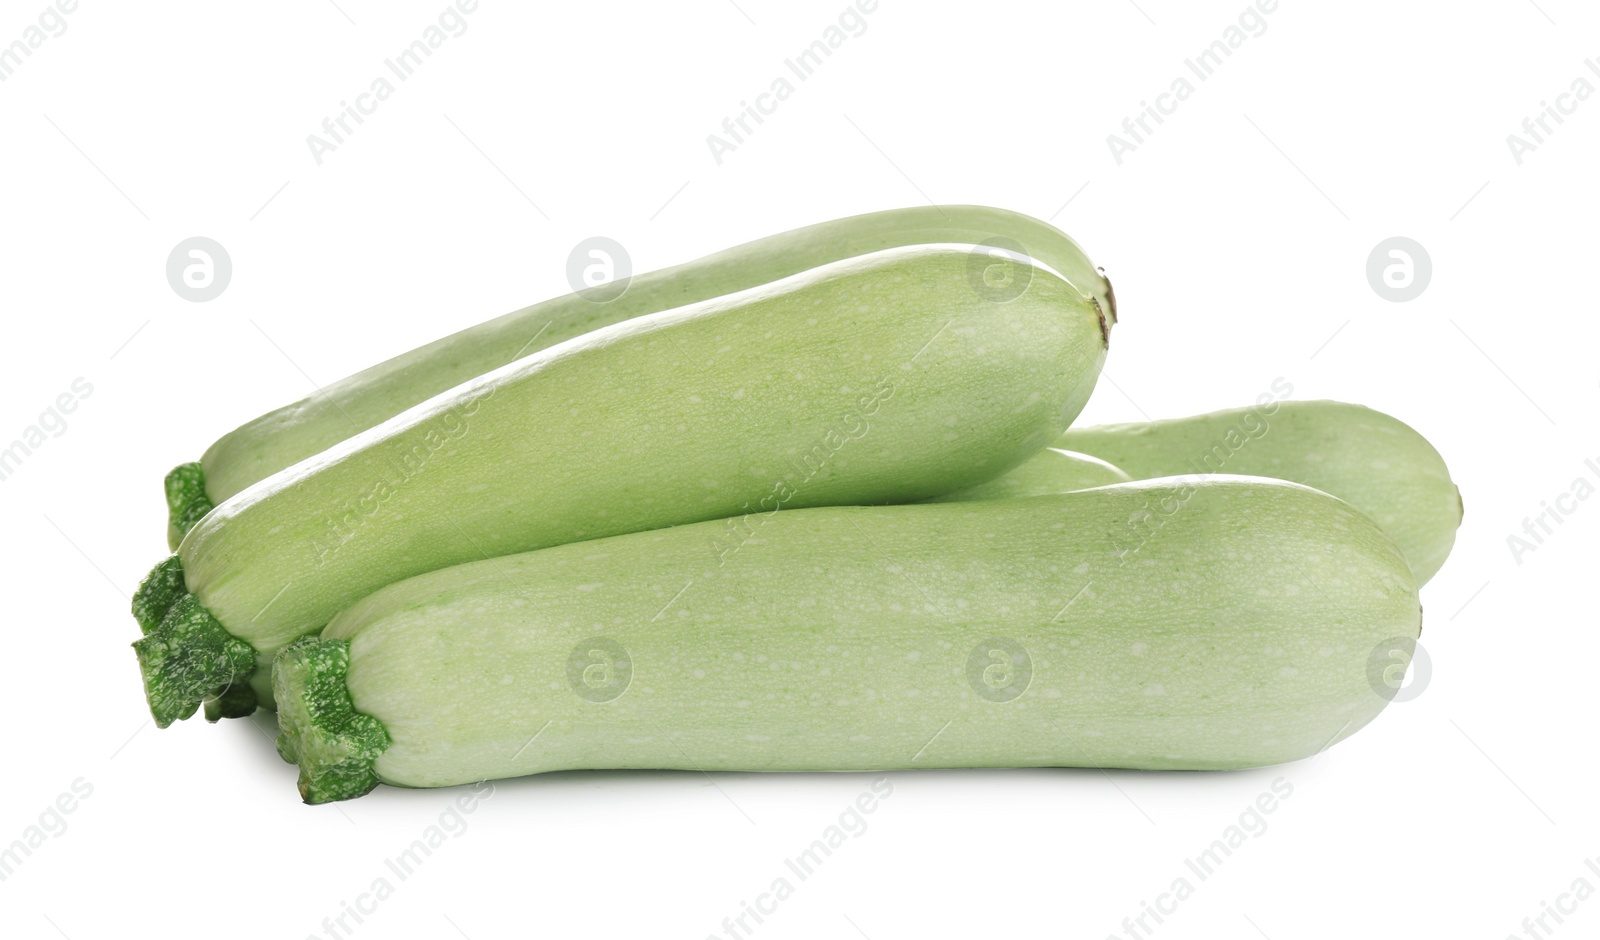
(159, 590)
(187, 501)
(186, 657)
(335, 745)
(236, 701)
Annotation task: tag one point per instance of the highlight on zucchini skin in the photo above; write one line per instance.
(883, 378)
(281, 438)
(1052, 471)
(1180, 623)
(1375, 462)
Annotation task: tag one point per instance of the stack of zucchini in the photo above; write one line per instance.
(811, 503)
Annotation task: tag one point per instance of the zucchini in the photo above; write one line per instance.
(1372, 461)
(1236, 632)
(290, 434)
(882, 378)
(1052, 470)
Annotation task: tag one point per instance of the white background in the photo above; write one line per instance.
(1237, 236)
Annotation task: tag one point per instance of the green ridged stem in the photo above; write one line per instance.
(187, 501)
(334, 744)
(186, 657)
(159, 590)
(236, 701)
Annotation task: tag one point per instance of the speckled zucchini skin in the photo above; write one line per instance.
(1366, 458)
(883, 378)
(286, 436)
(1165, 624)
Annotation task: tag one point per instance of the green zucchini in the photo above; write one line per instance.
(882, 378)
(1052, 471)
(1372, 461)
(284, 437)
(1237, 631)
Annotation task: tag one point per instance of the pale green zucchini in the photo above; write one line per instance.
(883, 378)
(1052, 471)
(1165, 624)
(1366, 458)
(280, 438)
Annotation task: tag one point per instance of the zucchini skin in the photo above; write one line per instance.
(884, 378)
(1051, 471)
(281, 438)
(1374, 462)
(1235, 633)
